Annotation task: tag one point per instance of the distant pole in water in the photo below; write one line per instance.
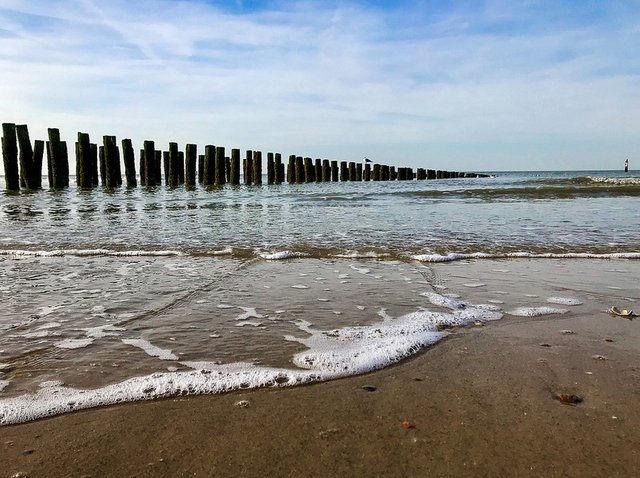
(626, 165)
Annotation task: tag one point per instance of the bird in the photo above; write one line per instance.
(367, 160)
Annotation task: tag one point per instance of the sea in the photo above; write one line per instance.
(113, 296)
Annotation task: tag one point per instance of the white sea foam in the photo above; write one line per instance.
(278, 256)
(536, 311)
(616, 181)
(74, 343)
(361, 255)
(150, 349)
(360, 270)
(103, 331)
(299, 286)
(564, 301)
(250, 323)
(331, 354)
(474, 285)
(84, 253)
(526, 255)
(249, 312)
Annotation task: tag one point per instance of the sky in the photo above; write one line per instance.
(466, 86)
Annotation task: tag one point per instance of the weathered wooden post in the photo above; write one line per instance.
(248, 167)
(299, 169)
(234, 175)
(10, 157)
(59, 160)
(326, 171)
(143, 181)
(103, 168)
(291, 169)
(308, 170)
(166, 167)
(367, 172)
(129, 163)
(171, 179)
(191, 158)
(271, 177)
(30, 159)
(200, 168)
(208, 177)
(410, 174)
(392, 173)
(278, 166)
(334, 171)
(150, 176)
(83, 161)
(344, 171)
(157, 163)
(317, 174)
(95, 177)
(376, 172)
(438, 174)
(110, 158)
(359, 172)
(257, 168)
(219, 176)
(352, 171)
(180, 167)
(384, 171)
(227, 168)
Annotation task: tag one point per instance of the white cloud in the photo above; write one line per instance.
(326, 80)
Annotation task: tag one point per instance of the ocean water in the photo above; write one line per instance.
(118, 295)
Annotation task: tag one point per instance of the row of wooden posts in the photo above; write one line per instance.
(101, 165)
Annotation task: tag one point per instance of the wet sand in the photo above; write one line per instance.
(481, 403)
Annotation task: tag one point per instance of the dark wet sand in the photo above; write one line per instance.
(481, 403)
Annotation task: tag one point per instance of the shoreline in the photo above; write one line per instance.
(481, 402)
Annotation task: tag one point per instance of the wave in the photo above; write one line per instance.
(330, 253)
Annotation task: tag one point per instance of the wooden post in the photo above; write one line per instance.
(38, 153)
(392, 173)
(299, 169)
(143, 181)
(59, 160)
(109, 161)
(376, 172)
(352, 171)
(278, 166)
(171, 180)
(234, 174)
(47, 148)
(129, 163)
(227, 168)
(219, 177)
(150, 179)
(271, 176)
(410, 175)
(257, 168)
(384, 171)
(83, 158)
(180, 167)
(117, 164)
(367, 172)
(359, 172)
(10, 157)
(326, 171)
(166, 167)
(344, 171)
(94, 164)
(200, 168)
(30, 171)
(317, 174)
(103, 168)
(191, 158)
(157, 164)
(291, 169)
(308, 170)
(248, 167)
(208, 176)
(334, 171)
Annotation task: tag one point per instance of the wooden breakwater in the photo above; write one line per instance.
(102, 165)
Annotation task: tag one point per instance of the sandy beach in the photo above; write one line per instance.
(483, 402)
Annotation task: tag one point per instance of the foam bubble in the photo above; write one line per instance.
(299, 286)
(84, 253)
(150, 349)
(278, 256)
(536, 311)
(527, 255)
(564, 301)
(73, 343)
